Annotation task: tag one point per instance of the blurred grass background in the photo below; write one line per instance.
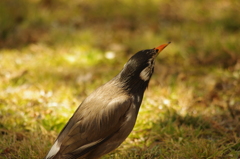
(53, 53)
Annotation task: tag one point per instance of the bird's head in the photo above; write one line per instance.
(139, 68)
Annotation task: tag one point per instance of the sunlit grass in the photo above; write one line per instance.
(53, 59)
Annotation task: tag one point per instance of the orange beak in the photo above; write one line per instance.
(161, 47)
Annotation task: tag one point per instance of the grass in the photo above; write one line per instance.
(55, 53)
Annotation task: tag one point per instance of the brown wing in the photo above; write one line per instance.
(92, 123)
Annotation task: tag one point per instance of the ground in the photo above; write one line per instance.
(55, 53)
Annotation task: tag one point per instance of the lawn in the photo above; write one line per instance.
(54, 53)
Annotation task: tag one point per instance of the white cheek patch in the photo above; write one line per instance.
(54, 150)
(145, 74)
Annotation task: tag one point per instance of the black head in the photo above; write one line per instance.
(138, 70)
(140, 66)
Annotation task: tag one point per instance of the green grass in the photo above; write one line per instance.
(55, 53)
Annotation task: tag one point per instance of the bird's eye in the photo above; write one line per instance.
(156, 50)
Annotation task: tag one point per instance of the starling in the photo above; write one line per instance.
(107, 116)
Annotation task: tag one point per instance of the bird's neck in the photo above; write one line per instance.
(132, 83)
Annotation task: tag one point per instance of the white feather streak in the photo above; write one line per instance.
(55, 148)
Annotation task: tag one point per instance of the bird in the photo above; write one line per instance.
(107, 116)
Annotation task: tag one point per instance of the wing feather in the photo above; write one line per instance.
(93, 122)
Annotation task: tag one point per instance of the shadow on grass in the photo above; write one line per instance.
(189, 136)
